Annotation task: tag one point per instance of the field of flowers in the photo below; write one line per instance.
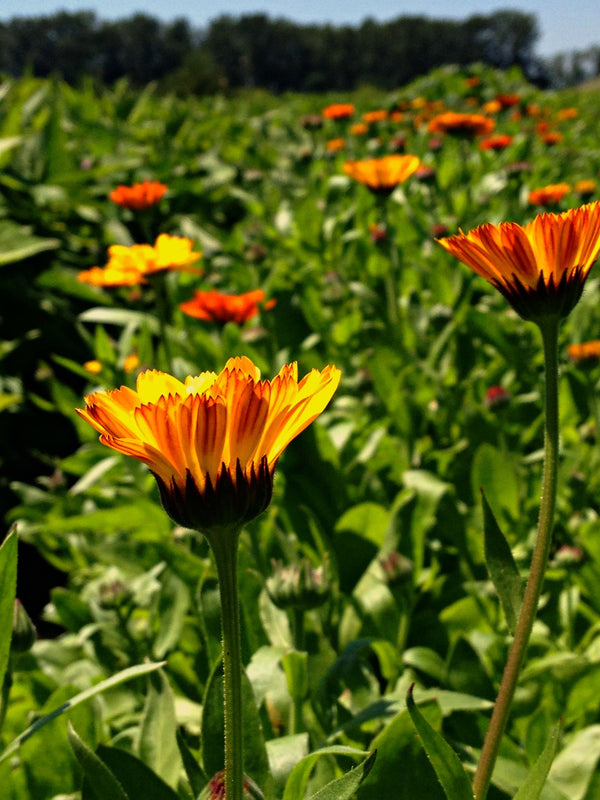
(379, 573)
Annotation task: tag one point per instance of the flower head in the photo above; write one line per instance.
(541, 267)
(459, 124)
(585, 353)
(498, 142)
(139, 196)
(211, 441)
(218, 307)
(129, 266)
(549, 195)
(338, 111)
(382, 175)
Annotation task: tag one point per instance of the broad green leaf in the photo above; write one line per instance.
(298, 780)
(173, 603)
(137, 779)
(157, 746)
(195, 775)
(101, 783)
(115, 680)
(444, 760)
(8, 585)
(495, 473)
(576, 763)
(284, 753)
(501, 566)
(532, 788)
(120, 316)
(17, 243)
(345, 787)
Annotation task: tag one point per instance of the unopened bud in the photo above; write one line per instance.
(299, 585)
(215, 789)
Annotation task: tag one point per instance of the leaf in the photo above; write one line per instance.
(137, 779)
(344, 788)
(17, 243)
(298, 780)
(494, 471)
(115, 680)
(8, 587)
(157, 744)
(195, 775)
(575, 765)
(120, 316)
(101, 783)
(501, 566)
(447, 766)
(532, 788)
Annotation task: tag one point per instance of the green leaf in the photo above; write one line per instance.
(8, 586)
(447, 766)
(495, 473)
(575, 765)
(195, 775)
(120, 316)
(344, 788)
(298, 780)
(501, 566)
(137, 779)
(115, 680)
(532, 788)
(157, 744)
(17, 243)
(101, 784)
(256, 763)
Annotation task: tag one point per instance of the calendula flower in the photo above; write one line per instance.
(549, 195)
(139, 196)
(551, 138)
(541, 267)
(458, 124)
(567, 113)
(219, 307)
(496, 142)
(507, 100)
(359, 129)
(338, 111)
(335, 145)
(586, 352)
(382, 175)
(211, 441)
(129, 266)
(371, 117)
(131, 363)
(585, 189)
(93, 367)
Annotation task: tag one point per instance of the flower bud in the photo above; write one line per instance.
(215, 789)
(299, 585)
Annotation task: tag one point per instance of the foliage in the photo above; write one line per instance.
(384, 492)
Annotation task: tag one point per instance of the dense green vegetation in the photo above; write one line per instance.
(382, 493)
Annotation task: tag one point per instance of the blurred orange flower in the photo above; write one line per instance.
(382, 175)
(567, 113)
(335, 145)
(129, 266)
(378, 115)
(459, 124)
(541, 267)
(360, 129)
(552, 137)
(93, 367)
(139, 196)
(212, 441)
(219, 307)
(498, 142)
(338, 111)
(508, 100)
(585, 188)
(549, 195)
(586, 351)
(131, 363)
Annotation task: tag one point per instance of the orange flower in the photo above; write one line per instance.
(131, 363)
(551, 138)
(360, 129)
(371, 117)
(508, 100)
(472, 81)
(540, 268)
(139, 196)
(335, 145)
(212, 441)
(218, 307)
(461, 124)
(549, 195)
(496, 142)
(585, 352)
(382, 175)
(93, 367)
(338, 111)
(492, 107)
(129, 266)
(567, 113)
(585, 188)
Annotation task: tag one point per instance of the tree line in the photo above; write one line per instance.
(254, 50)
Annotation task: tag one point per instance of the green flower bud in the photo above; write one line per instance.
(299, 585)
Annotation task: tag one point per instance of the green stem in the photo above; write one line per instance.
(298, 628)
(225, 549)
(539, 561)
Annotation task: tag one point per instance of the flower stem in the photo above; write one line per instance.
(539, 561)
(225, 550)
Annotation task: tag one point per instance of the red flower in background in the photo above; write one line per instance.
(139, 196)
(496, 142)
(219, 307)
(338, 111)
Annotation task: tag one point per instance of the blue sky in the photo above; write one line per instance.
(564, 26)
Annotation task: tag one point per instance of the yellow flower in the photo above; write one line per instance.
(131, 363)
(382, 175)
(93, 367)
(212, 441)
(541, 267)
